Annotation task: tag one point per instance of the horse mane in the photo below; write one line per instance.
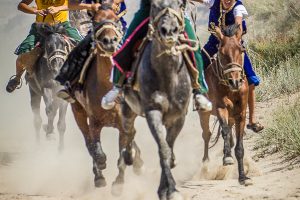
(231, 30)
(45, 29)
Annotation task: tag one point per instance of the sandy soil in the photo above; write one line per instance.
(31, 171)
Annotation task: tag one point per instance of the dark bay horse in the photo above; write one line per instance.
(165, 88)
(55, 47)
(228, 91)
(87, 110)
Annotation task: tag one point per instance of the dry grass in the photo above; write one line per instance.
(274, 48)
(284, 135)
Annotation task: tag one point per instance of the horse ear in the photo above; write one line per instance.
(218, 33)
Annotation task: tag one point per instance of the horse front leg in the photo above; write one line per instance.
(61, 124)
(81, 119)
(166, 190)
(206, 134)
(240, 120)
(126, 143)
(94, 146)
(172, 133)
(51, 110)
(35, 102)
(226, 134)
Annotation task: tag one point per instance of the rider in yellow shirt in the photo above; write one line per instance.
(46, 11)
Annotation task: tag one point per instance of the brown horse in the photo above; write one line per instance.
(228, 91)
(87, 110)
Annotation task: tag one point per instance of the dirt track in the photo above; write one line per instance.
(37, 172)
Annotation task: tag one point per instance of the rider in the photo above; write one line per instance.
(79, 54)
(50, 11)
(224, 13)
(199, 85)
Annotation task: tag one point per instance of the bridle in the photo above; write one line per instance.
(184, 44)
(221, 70)
(106, 25)
(59, 53)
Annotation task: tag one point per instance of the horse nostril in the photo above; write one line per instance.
(175, 30)
(231, 82)
(163, 31)
(105, 41)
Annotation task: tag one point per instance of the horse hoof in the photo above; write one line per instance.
(127, 158)
(47, 129)
(228, 161)
(246, 182)
(117, 189)
(100, 182)
(61, 148)
(139, 170)
(50, 136)
(175, 196)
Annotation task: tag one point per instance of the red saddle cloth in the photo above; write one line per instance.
(124, 58)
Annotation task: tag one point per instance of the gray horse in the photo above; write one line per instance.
(55, 48)
(165, 88)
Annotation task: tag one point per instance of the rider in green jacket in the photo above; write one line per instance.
(199, 86)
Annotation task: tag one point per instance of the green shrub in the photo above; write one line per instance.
(284, 135)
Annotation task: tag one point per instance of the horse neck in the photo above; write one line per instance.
(166, 64)
(103, 69)
(170, 70)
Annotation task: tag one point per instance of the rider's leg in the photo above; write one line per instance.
(26, 46)
(72, 67)
(108, 101)
(72, 32)
(253, 81)
(197, 74)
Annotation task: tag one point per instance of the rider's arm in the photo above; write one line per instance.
(82, 6)
(24, 7)
(208, 3)
(240, 13)
(239, 20)
(73, 6)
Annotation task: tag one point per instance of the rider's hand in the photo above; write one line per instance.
(42, 12)
(53, 10)
(95, 7)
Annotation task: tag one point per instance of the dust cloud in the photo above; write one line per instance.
(37, 169)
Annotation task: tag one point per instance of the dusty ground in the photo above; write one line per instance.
(33, 171)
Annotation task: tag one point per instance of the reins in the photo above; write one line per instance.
(184, 45)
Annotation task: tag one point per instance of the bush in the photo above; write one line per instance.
(284, 135)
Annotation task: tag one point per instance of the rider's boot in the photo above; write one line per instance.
(108, 101)
(13, 83)
(201, 101)
(66, 93)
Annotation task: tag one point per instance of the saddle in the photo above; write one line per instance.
(128, 58)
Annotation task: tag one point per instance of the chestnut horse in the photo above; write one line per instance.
(87, 110)
(228, 91)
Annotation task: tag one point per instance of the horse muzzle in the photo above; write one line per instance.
(235, 84)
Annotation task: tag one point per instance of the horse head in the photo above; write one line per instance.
(56, 47)
(167, 21)
(107, 30)
(230, 56)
